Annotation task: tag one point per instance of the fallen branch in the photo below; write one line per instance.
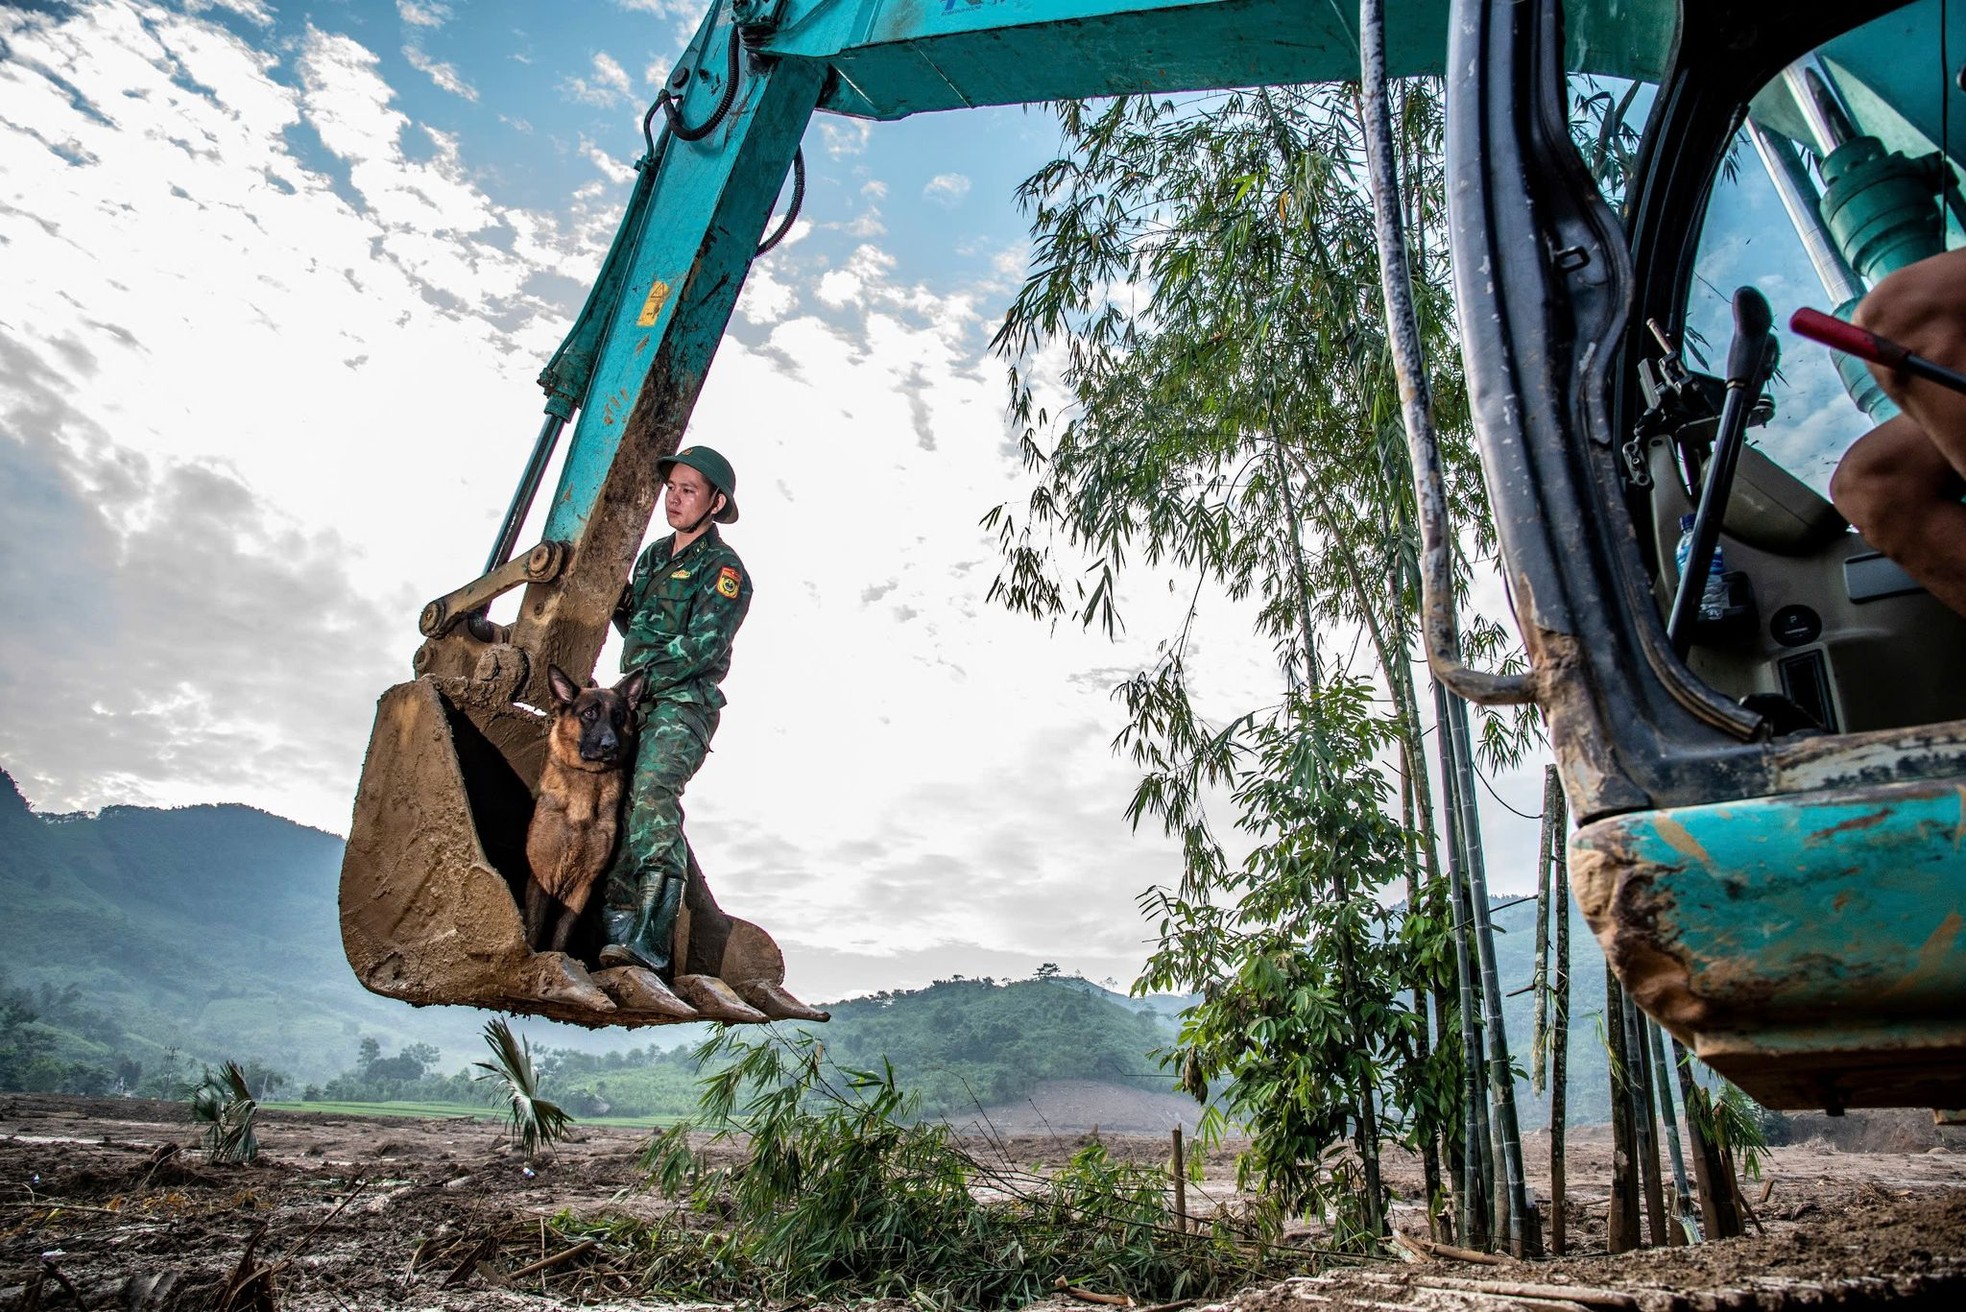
(61, 1278)
(1087, 1296)
(1408, 1250)
(564, 1255)
(49, 1206)
(1436, 1249)
(483, 1249)
(1596, 1298)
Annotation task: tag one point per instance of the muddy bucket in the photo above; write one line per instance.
(435, 869)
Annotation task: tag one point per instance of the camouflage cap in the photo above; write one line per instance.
(714, 468)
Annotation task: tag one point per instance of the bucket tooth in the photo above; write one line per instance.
(772, 999)
(561, 981)
(641, 994)
(717, 1000)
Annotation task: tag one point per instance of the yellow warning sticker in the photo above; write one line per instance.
(658, 294)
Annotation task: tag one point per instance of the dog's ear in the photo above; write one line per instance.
(632, 687)
(565, 690)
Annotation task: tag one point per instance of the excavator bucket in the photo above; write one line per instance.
(435, 871)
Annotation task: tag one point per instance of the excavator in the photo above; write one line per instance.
(1759, 720)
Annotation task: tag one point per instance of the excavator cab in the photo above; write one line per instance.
(1758, 716)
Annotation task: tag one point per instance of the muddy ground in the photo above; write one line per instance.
(107, 1203)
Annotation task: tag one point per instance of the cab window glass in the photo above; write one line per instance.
(1834, 181)
(1616, 52)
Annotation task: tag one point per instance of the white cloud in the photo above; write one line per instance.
(946, 188)
(610, 168)
(236, 376)
(608, 87)
(255, 10)
(844, 137)
(765, 300)
(423, 13)
(444, 75)
(691, 10)
(845, 285)
(874, 189)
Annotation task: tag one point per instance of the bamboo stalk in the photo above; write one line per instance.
(1422, 1047)
(1638, 1066)
(1539, 979)
(1476, 1197)
(1180, 1172)
(1683, 1195)
(1622, 1228)
(553, 1260)
(1523, 1241)
(1459, 1254)
(1554, 804)
(1717, 1210)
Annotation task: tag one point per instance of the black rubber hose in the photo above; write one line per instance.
(798, 199)
(672, 111)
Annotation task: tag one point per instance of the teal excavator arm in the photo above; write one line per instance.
(734, 111)
(436, 845)
(435, 852)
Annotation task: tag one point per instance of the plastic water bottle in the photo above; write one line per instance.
(1713, 597)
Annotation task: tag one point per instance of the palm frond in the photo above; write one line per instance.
(225, 1106)
(536, 1121)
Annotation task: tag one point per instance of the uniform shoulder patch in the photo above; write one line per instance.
(728, 580)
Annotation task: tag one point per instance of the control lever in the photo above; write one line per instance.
(1750, 360)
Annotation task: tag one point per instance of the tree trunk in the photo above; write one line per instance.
(1689, 1225)
(1523, 1241)
(1477, 1200)
(1638, 1064)
(1539, 980)
(1622, 1232)
(1717, 1209)
(1559, 1011)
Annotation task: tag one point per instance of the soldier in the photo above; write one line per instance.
(679, 614)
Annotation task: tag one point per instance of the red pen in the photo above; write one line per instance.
(1866, 345)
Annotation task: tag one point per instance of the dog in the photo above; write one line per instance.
(590, 749)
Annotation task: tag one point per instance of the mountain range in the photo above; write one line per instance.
(160, 939)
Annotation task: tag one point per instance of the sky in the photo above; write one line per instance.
(275, 284)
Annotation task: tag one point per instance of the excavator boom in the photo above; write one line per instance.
(1755, 958)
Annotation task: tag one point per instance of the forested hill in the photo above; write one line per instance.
(145, 942)
(147, 938)
(967, 1044)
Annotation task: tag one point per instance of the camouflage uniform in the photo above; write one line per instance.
(679, 615)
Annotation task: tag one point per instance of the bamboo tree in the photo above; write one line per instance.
(1225, 412)
(1539, 979)
(1478, 1198)
(1638, 1069)
(1718, 1211)
(1622, 1229)
(1682, 1194)
(1501, 1076)
(1556, 821)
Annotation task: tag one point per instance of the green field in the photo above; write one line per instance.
(449, 1111)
